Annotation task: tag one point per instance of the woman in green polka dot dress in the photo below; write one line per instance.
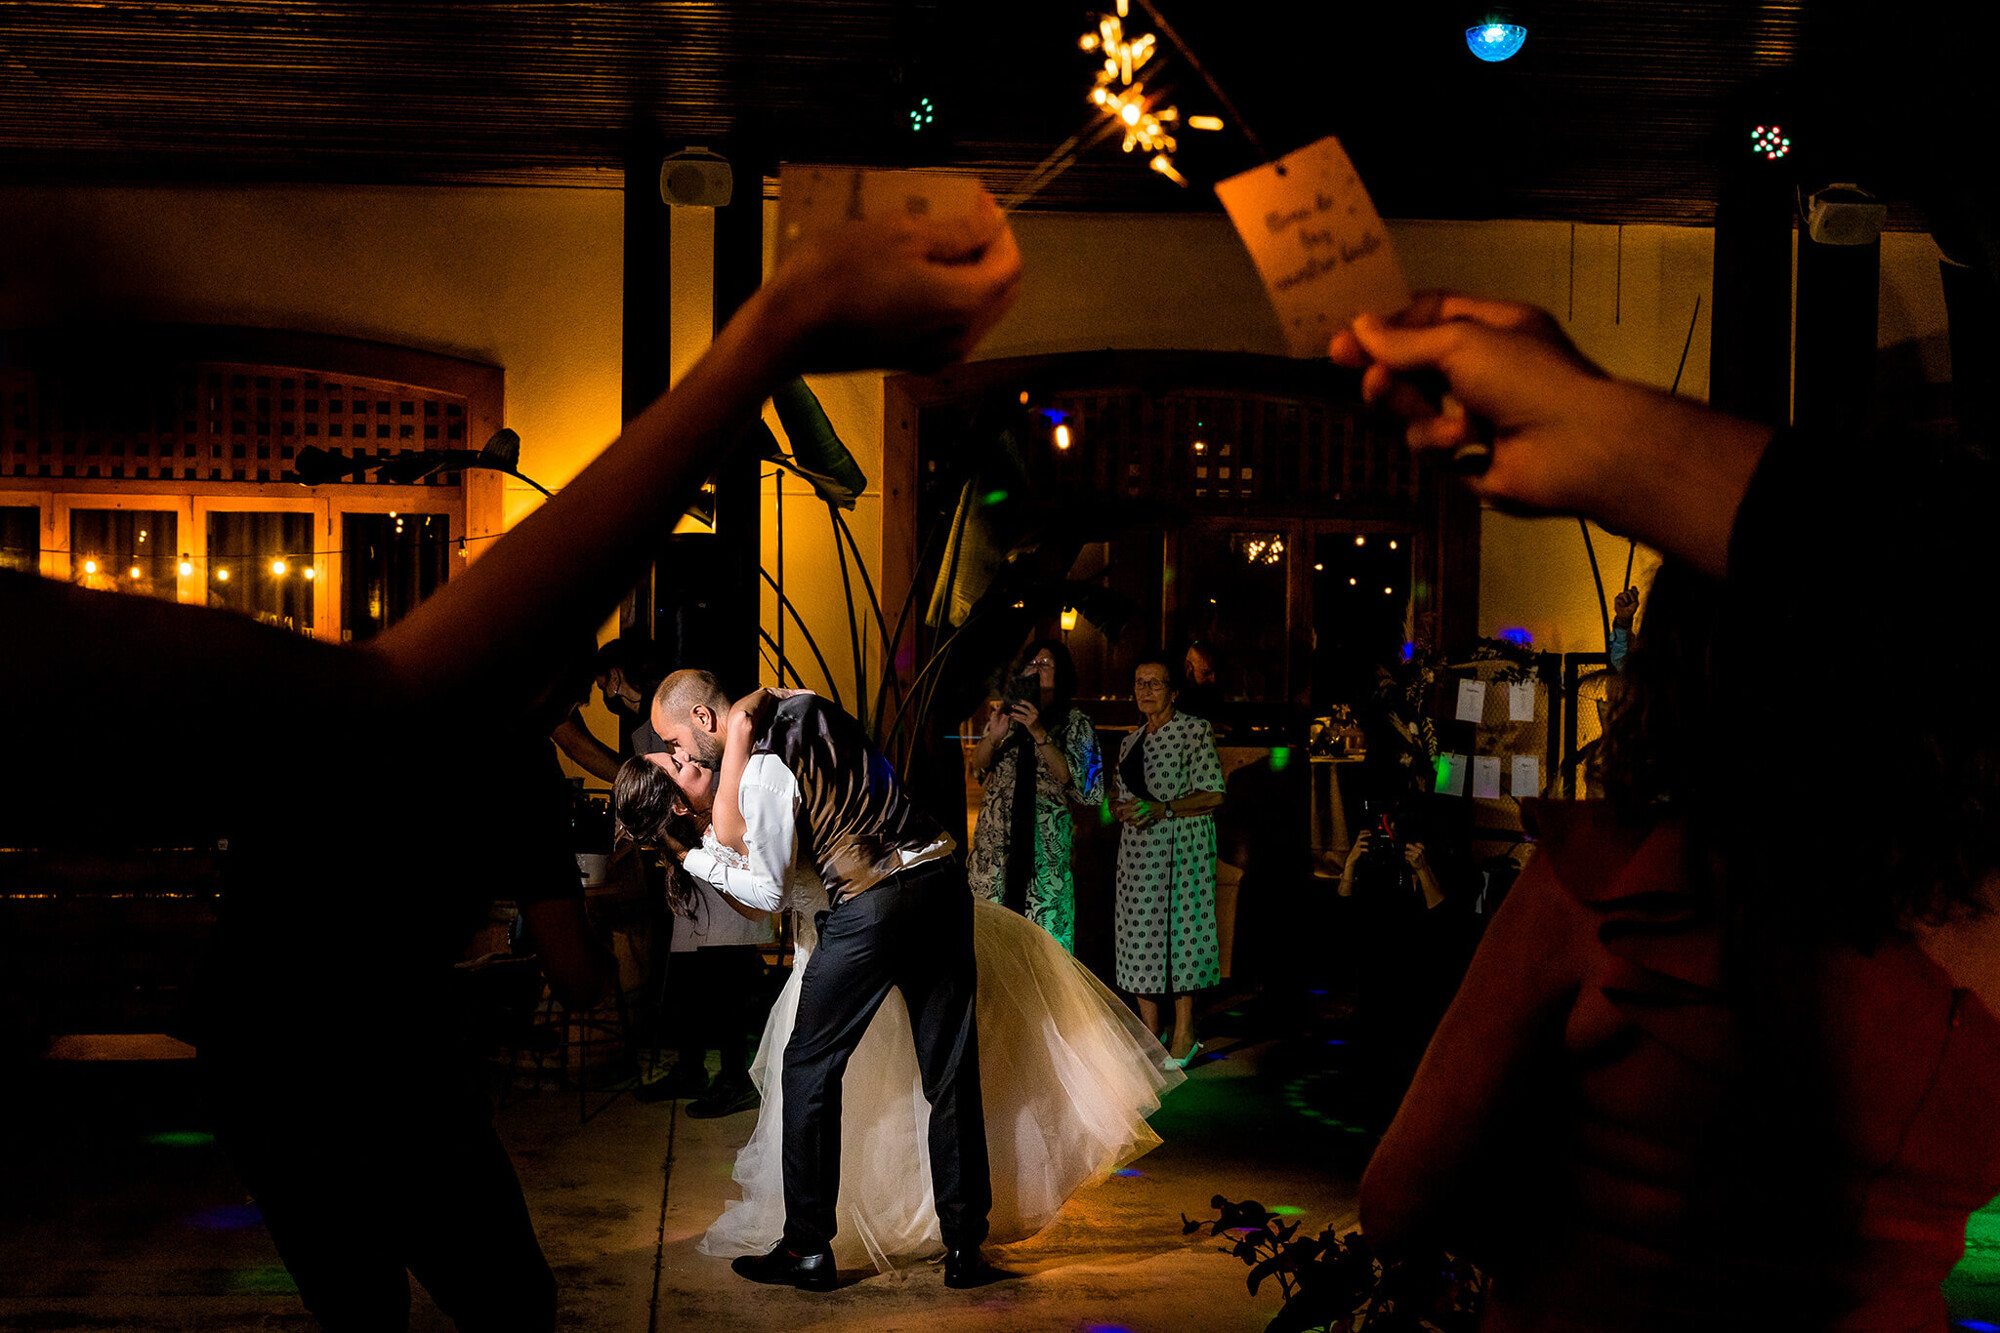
(1169, 782)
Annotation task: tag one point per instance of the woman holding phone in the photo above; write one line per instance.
(1036, 754)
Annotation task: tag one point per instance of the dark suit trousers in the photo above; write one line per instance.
(912, 931)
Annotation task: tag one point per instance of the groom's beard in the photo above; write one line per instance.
(708, 751)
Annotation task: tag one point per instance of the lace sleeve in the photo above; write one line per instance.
(728, 856)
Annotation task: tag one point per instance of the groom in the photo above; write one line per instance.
(901, 916)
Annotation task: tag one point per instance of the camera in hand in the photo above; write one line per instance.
(1382, 867)
(1025, 688)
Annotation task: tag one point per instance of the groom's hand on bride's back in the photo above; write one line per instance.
(897, 292)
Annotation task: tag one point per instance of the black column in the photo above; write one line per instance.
(1750, 344)
(647, 319)
(735, 590)
(1834, 336)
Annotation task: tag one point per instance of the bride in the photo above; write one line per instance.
(1067, 1073)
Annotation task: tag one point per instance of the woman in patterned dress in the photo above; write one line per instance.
(1021, 849)
(1169, 780)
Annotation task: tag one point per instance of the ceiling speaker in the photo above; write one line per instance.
(695, 178)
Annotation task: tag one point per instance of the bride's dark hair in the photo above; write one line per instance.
(648, 805)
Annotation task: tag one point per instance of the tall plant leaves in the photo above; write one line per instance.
(817, 453)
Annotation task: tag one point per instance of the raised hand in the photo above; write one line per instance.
(903, 292)
(1566, 438)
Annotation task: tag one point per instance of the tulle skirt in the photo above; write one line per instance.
(1067, 1076)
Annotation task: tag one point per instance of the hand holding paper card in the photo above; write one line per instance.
(1486, 777)
(814, 199)
(1317, 241)
(1471, 700)
(1521, 701)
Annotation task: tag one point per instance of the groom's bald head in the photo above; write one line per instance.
(688, 712)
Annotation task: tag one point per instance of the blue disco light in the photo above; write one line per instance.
(1495, 41)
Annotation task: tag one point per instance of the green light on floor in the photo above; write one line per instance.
(181, 1138)
(1973, 1289)
(264, 1277)
(1285, 1210)
(1281, 758)
(994, 498)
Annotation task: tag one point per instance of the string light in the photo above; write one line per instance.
(187, 568)
(278, 567)
(135, 572)
(1360, 540)
(90, 566)
(1392, 546)
(310, 572)
(1062, 437)
(222, 574)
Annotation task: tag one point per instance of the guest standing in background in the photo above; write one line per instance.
(1169, 782)
(1036, 756)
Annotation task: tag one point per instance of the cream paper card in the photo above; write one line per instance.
(1317, 242)
(1521, 701)
(1471, 700)
(814, 198)
(1527, 776)
(1486, 777)
(1451, 774)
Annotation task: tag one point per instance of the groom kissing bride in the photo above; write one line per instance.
(813, 789)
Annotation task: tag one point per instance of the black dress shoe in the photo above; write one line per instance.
(782, 1268)
(967, 1268)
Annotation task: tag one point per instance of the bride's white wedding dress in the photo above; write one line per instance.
(1067, 1076)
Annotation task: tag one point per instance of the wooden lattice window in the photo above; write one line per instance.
(212, 421)
(201, 429)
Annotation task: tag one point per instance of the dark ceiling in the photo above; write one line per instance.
(1615, 111)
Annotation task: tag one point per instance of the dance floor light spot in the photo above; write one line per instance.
(1129, 1172)
(1335, 1041)
(1977, 1325)
(1285, 1210)
(229, 1217)
(181, 1138)
(264, 1277)
(1281, 757)
(994, 497)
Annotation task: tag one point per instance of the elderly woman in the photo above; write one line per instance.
(1037, 754)
(1169, 780)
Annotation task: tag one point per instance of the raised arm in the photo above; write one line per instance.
(904, 293)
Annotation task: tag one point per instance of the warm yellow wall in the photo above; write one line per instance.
(530, 280)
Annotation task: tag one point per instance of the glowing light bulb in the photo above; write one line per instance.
(135, 571)
(1318, 569)
(1129, 113)
(90, 566)
(310, 572)
(277, 567)
(1200, 448)
(1068, 619)
(222, 575)
(1360, 540)
(1352, 582)
(1204, 122)
(1387, 591)
(1392, 546)
(1062, 437)
(1024, 397)
(187, 568)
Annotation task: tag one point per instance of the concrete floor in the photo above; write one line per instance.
(124, 1215)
